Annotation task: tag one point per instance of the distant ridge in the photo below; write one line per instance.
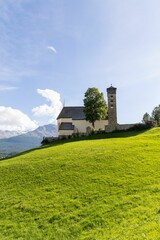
(8, 134)
(16, 144)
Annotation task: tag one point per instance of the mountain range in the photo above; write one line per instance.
(8, 134)
(12, 142)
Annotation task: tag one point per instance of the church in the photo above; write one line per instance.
(72, 119)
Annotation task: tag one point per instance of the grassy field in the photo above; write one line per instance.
(95, 189)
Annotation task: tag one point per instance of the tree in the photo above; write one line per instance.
(95, 107)
(146, 118)
(156, 115)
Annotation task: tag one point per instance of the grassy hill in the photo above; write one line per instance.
(92, 189)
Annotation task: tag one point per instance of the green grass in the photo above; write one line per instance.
(95, 189)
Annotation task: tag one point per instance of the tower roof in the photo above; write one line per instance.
(111, 89)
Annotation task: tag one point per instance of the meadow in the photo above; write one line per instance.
(92, 189)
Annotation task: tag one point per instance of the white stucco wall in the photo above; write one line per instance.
(80, 126)
(65, 132)
(64, 120)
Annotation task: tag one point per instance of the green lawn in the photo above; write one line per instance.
(95, 189)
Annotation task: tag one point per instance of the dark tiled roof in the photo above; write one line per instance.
(66, 126)
(76, 113)
(111, 89)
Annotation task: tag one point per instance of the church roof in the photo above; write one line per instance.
(76, 113)
(66, 126)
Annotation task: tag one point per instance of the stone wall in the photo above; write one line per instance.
(119, 127)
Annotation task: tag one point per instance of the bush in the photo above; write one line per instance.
(44, 141)
(63, 137)
(140, 126)
(76, 135)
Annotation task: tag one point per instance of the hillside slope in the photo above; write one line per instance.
(92, 189)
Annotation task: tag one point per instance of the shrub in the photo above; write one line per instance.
(140, 126)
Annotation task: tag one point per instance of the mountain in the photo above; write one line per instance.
(16, 144)
(8, 134)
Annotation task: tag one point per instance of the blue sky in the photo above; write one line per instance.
(51, 51)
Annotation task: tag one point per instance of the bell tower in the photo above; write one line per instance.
(112, 108)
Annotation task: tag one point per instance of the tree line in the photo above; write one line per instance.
(154, 118)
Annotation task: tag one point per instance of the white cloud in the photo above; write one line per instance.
(7, 88)
(14, 120)
(52, 110)
(52, 49)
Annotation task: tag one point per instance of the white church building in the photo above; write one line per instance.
(72, 119)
